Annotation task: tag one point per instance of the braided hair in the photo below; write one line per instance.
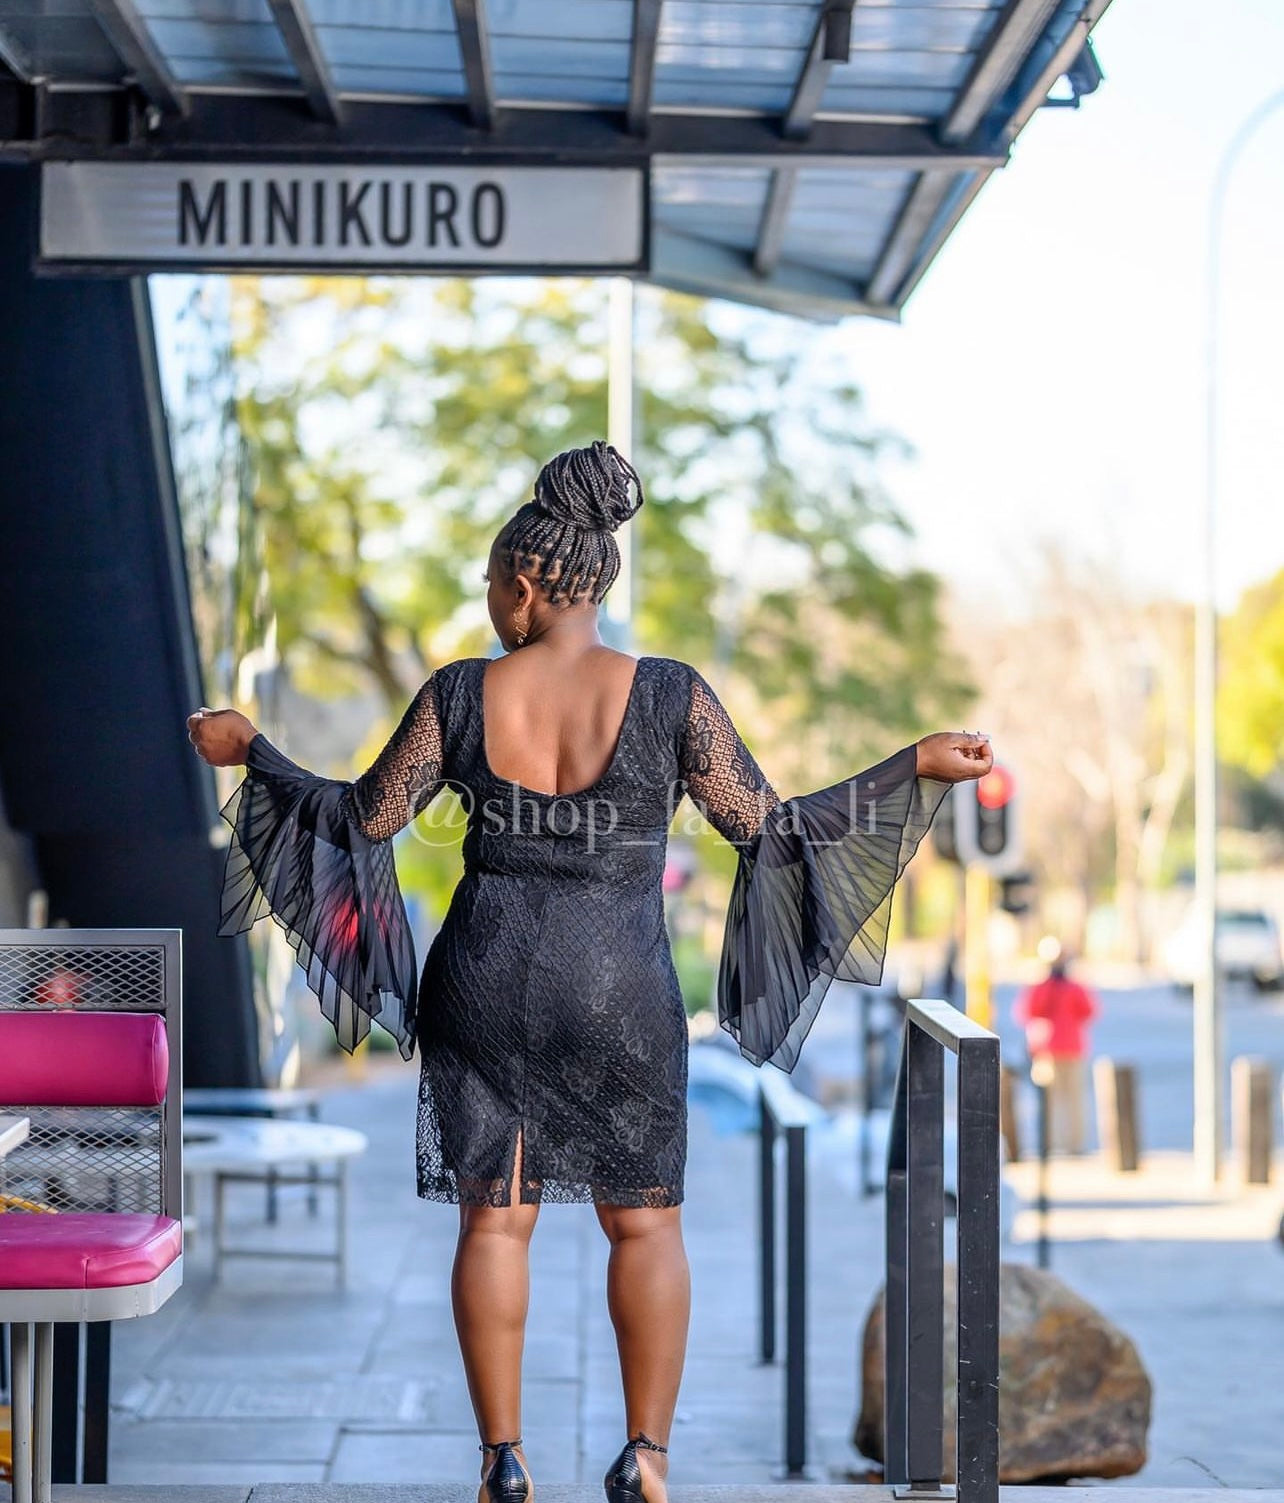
(562, 537)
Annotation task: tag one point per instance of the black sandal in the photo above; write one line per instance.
(506, 1482)
(623, 1482)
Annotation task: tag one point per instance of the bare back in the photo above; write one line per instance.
(552, 719)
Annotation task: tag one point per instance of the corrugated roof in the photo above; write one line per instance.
(809, 155)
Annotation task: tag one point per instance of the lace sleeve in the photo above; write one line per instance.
(406, 775)
(718, 769)
(314, 853)
(812, 897)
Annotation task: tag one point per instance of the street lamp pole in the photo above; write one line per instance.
(1209, 1046)
(620, 390)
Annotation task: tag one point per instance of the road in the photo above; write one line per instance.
(1149, 1027)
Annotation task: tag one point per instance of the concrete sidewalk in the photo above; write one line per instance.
(1196, 1278)
(275, 1377)
(302, 1492)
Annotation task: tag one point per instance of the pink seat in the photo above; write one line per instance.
(83, 1059)
(86, 1251)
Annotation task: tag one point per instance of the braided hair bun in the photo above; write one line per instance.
(562, 536)
(589, 488)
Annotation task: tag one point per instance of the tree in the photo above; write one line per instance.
(392, 429)
(1090, 699)
(1250, 699)
(393, 425)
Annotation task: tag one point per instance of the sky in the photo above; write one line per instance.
(1050, 369)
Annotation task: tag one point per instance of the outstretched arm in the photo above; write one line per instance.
(314, 852)
(731, 791)
(397, 786)
(719, 771)
(812, 896)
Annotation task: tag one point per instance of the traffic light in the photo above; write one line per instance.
(994, 811)
(986, 823)
(1015, 895)
(944, 842)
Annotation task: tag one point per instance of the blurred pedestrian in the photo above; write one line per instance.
(1056, 1015)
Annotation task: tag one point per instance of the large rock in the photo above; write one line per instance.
(1074, 1399)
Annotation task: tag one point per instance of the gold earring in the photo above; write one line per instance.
(521, 634)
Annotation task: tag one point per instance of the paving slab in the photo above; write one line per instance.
(161, 1493)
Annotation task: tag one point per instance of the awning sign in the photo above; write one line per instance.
(150, 215)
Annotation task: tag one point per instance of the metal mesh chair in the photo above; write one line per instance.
(91, 1202)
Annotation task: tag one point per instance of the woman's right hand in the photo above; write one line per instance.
(953, 756)
(221, 737)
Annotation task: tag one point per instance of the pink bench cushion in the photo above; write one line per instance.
(83, 1059)
(85, 1251)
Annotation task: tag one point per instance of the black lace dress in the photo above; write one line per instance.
(550, 1025)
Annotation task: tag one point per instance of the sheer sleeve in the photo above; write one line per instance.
(314, 853)
(812, 896)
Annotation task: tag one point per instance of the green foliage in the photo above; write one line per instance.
(393, 426)
(1250, 705)
(697, 973)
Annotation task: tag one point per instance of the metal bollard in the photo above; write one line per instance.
(1116, 1091)
(1009, 1127)
(1252, 1117)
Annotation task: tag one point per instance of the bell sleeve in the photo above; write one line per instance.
(812, 896)
(316, 854)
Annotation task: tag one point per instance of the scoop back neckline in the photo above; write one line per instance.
(598, 782)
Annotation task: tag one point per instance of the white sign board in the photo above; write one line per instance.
(146, 215)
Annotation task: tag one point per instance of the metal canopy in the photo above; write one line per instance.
(805, 155)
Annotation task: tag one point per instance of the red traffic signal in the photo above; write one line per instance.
(995, 789)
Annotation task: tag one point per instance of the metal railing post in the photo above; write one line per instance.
(913, 1372)
(978, 1270)
(925, 1383)
(796, 1302)
(782, 1116)
(766, 1231)
(896, 1290)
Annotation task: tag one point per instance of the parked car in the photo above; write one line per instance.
(1246, 944)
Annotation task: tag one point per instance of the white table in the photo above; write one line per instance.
(239, 1149)
(13, 1130)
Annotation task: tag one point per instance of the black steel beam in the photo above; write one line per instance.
(1010, 42)
(1059, 60)
(830, 44)
(295, 25)
(775, 218)
(13, 57)
(729, 274)
(646, 31)
(474, 44)
(127, 32)
(943, 228)
(922, 203)
(227, 127)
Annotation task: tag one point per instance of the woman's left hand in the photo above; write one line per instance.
(954, 756)
(221, 737)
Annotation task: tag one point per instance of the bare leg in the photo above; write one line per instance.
(648, 1294)
(490, 1293)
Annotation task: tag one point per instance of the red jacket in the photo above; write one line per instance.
(1055, 1015)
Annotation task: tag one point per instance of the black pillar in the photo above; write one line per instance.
(98, 661)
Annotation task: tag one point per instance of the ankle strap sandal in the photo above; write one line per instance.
(623, 1481)
(506, 1482)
